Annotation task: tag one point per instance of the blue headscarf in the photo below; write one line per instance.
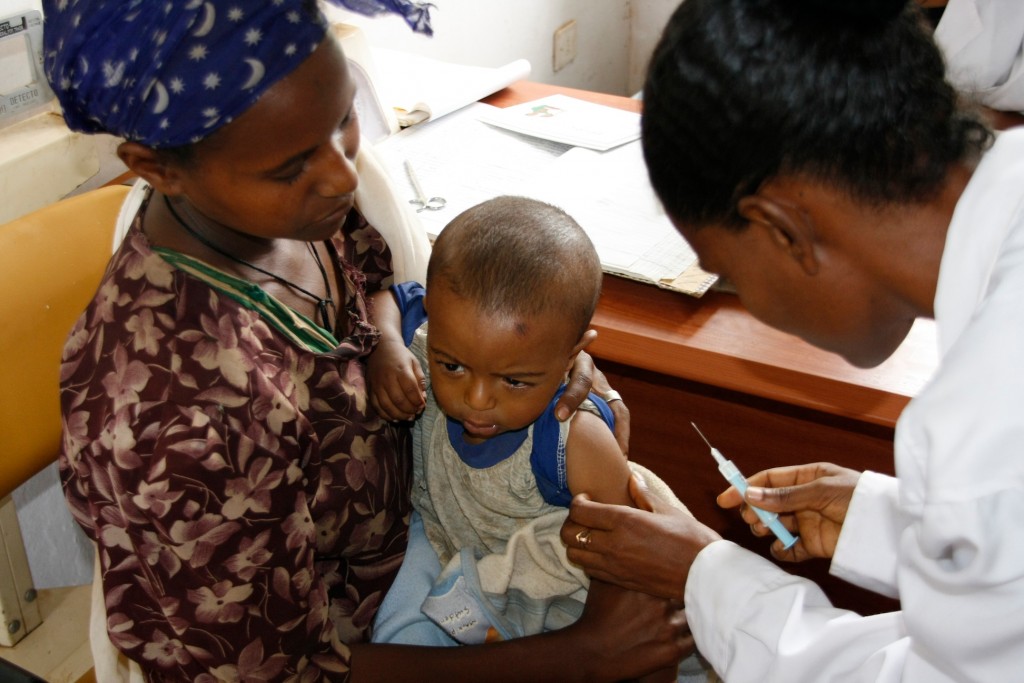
(170, 72)
(417, 14)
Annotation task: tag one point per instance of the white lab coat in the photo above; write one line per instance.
(947, 537)
(983, 43)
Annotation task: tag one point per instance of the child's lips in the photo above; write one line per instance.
(480, 429)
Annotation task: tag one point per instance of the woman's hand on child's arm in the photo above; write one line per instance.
(597, 470)
(647, 548)
(595, 465)
(395, 380)
(584, 378)
(617, 530)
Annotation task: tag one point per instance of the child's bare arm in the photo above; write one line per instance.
(595, 466)
(394, 377)
(594, 461)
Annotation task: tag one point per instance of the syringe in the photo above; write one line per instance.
(734, 477)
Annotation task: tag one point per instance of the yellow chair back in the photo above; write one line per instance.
(50, 264)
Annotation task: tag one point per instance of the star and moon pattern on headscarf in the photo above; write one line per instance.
(167, 73)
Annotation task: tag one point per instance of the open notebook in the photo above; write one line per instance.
(466, 161)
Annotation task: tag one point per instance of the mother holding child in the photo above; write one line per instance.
(249, 504)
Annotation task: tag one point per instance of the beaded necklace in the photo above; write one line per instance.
(323, 305)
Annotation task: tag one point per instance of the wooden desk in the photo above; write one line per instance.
(764, 398)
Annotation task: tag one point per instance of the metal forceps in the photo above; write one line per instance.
(421, 201)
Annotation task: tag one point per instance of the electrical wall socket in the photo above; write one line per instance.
(564, 45)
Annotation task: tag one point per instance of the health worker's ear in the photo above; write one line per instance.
(151, 166)
(787, 224)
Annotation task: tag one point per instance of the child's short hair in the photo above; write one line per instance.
(519, 256)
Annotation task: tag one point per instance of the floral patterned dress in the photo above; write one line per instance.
(250, 508)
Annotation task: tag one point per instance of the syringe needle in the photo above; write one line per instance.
(701, 434)
(732, 475)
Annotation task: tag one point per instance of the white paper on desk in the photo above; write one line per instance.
(610, 196)
(420, 88)
(466, 161)
(463, 160)
(565, 119)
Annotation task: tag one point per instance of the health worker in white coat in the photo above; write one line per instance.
(812, 152)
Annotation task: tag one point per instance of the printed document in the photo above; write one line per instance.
(465, 161)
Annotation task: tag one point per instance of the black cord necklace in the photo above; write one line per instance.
(323, 305)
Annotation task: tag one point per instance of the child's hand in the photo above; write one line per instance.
(396, 384)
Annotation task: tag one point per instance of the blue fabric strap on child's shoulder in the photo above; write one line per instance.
(547, 460)
(409, 296)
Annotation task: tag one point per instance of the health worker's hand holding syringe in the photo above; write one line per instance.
(733, 476)
(810, 499)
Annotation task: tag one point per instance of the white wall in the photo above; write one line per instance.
(648, 18)
(9, 7)
(615, 37)
(495, 32)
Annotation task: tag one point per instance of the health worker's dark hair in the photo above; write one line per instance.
(846, 92)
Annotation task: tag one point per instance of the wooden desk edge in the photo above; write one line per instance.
(725, 371)
(524, 91)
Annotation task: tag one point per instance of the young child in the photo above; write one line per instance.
(512, 285)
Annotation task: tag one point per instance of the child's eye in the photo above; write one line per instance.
(514, 383)
(450, 367)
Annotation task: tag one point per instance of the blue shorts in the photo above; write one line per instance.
(399, 619)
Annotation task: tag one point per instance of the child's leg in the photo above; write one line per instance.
(399, 619)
